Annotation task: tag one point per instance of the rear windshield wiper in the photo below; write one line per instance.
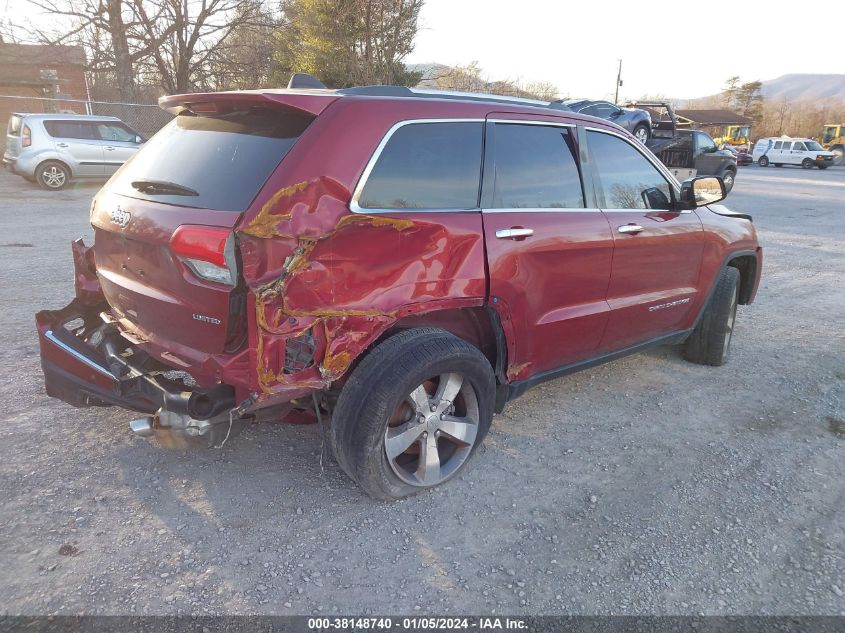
(163, 187)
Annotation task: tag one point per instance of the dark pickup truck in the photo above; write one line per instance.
(687, 153)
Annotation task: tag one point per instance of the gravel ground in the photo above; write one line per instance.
(645, 486)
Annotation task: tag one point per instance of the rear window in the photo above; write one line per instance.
(427, 166)
(223, 159)
(14, 127)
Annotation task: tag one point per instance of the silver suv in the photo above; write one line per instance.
(53, 149)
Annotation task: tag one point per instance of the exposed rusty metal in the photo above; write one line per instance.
(273, 315)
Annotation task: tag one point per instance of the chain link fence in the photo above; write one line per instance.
(144, 118)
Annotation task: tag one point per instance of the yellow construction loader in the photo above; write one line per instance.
(735, 136)
(833, 139)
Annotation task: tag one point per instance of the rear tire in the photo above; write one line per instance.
(807, 163)
(729, 177)
(710, 341)
(763, 161)
(421, 393)
(52, 175)
(839, 159)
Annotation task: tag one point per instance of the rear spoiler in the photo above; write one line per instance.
(311, 102)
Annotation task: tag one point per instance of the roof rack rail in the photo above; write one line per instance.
(431, 93)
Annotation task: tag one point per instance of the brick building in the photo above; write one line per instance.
(32, 70)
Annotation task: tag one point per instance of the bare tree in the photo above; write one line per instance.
(103, 27)
(185, 34)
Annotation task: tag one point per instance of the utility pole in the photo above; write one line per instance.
(618, 82)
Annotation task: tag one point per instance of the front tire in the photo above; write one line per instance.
(642, 133)
(763, 161)
(413, 412)
(710, 341)
(52, 175)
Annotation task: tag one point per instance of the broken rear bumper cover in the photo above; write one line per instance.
(86, 362)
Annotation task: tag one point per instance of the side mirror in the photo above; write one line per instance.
(139, 139)
(701, 191)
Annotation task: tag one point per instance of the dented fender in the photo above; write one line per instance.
(314, 269)
(85, 281)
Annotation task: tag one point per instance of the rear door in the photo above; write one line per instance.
(119, 145)
(163, 224)
(548, 250)
(657, 251)
(78, 142)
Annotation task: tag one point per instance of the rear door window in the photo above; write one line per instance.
(628, 179)
(427, 166)
(79, 130)
(211, 162)
(535, 168)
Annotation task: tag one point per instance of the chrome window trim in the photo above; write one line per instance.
(661, 168)
(531, 122)
(365, 175)
(541, 210)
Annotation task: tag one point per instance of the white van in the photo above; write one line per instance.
(786, 150)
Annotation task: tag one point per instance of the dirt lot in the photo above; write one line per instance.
(649, 485)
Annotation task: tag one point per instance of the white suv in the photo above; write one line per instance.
(791, 151)
(53, 149)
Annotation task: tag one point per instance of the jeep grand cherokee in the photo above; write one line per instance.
(404, 262)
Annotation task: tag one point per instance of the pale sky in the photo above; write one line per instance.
(675, 48)
(678, 48)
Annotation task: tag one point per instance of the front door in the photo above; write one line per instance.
(798, 153)
(118, 145)
(657, 252)
(548, 255)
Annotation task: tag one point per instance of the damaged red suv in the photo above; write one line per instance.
(402, 262)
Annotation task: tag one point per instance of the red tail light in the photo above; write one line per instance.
(208, 251)
(26, 136)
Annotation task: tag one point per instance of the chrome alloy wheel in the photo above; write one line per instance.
(641, 134)
(432, 432)
(54, 177)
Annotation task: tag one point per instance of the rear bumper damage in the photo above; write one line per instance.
(86, 362)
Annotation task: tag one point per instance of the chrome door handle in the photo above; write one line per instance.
(109, 149)
(61, 144)
(630, 228)
(505, 234)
